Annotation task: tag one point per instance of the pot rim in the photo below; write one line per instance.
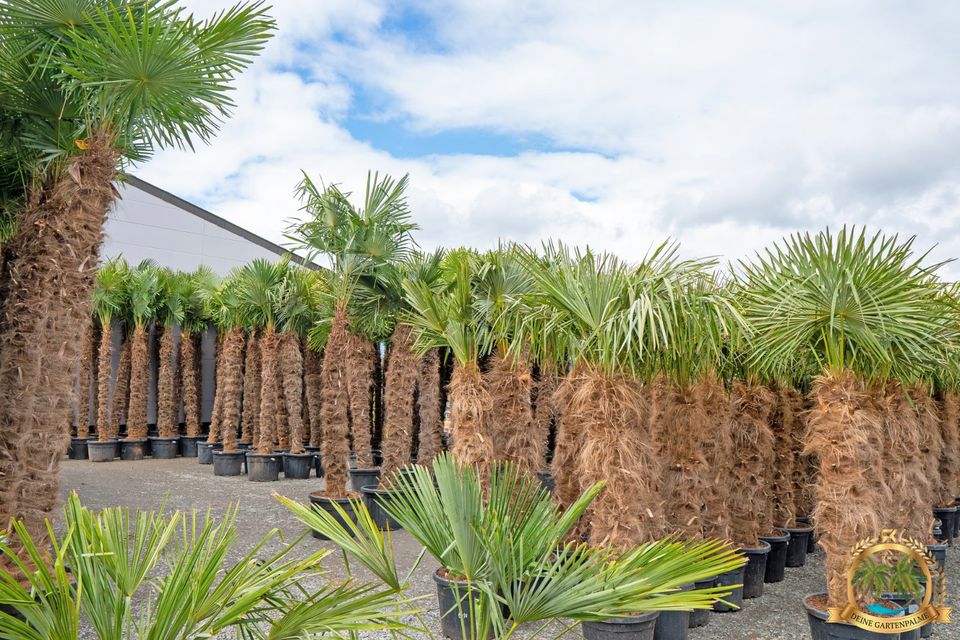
(763, 549)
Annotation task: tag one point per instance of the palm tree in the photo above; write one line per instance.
(86, 374)
(109, 301)
(359, 244)
(170, 314)
(199, 287)
(228, 317)
(870, 312)
(144, 292)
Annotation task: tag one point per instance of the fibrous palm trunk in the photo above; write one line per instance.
(544, 411)
(312, 366)
(751, 512)
(334, 408)
(844, 424)
(904, 480)
(570, 433)
(401, 386)
(681, 430)
(189, 383)
(252, 379)
(88, 361)
(216, 415)
(231, 387)
(950, 454)
(930, 442)
(269, 405)
(167, 423)
(360, 373)
(291, 371)
(714, 401)
(281, 427)
(617, 448)
(782, 473)
(509, 384)
(469, 414)
(121, 392)
(429, 407)
(139, 370)
(48, 276)
(104, 362)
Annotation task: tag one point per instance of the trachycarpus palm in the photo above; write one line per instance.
(110, 300)
(144, 291)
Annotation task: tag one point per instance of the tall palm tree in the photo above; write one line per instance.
(198, 290)
(87, 87)
(171, 310)
(109, 301)
(144, 292)
(228, 317)
(871, 313)
(359, 243)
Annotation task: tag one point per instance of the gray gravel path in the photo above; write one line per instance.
(185, 485)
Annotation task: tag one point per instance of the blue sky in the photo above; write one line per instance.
(722, 125)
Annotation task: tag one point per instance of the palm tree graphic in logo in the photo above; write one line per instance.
(888, 583)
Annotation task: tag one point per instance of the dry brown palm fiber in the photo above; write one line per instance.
(509, 382)
(901, 476)
(251, 388)
(87, 373)
(785, 459)
(312, 381)
(843, 424)
(544, 410)
(167, 424)
(567, 482)
(334, 409)
(231, 387)
(469, 414)
(291, 374)
(188, 384)
(950, 456)
(714, 401)
(121, 391)
(376, 398)
(216, 416)
(429, 407)
(359, 366)
(281, 427)
(104, 362)
(617, 448)
(401, 386)
(681, 430)
(752, 455)
(48, 275)
(930, 442)
(656, 393)
(139, 370)
(269, 397)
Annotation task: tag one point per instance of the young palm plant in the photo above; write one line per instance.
(93, 85)
(869, 311)
(144, 294)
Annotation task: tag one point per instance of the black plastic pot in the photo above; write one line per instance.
(805, 521)
(377, 457)
(227, 463)
(798, 546)
(375, 499)
(296, 466)
(164, 448)
(263, 467)
(205, 451)
(947, 516)
(673, 625)
(777, 558)
(939, 553)
(322, 502)
(756, 568)
(735, 599)
(956, 520)
(360, 478)
(134, 449)
(546, 480)
(700, 617)
(640, 627)
(456, 599)
(821, 630)
(318, 464)
(188, 446)
(102, 451)
(78, 449)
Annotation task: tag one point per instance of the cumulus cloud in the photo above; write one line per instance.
(723, 126)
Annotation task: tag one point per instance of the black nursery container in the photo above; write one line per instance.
(375, 499)
(673, 625)
(321, 502)
(821, 630)
(756, 568)
(296, 466)
(164, 448)
(102, 451)
(735, 599)
(360, 478)
(798, 545)
(640, 627)
(134, 449)
(456, 599)
(205, 452)
(777, 558)
(263, 467)
(700, 617)
(78, 449)
(188, 446)
(947, 517)
(227, 463)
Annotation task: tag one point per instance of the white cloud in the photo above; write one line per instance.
(724, 126)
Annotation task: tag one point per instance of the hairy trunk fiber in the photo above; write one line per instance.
(189, 383)
(281, 427)
(544, 410)
(950, 456)
(752, 456)
(469, 412)
(312, 365)
(269, 398)
(48, 277)
(808, 472)
(291, 366)
(843, 427)
(681, 431)
(377, 407)
(216, 416)
(714, 402)
(511, 417)
(139, 377)
(902, 476)
(104, 359)
(334, 408)
(429, 407)
(88, 362)
(121, 391)
(782, 423)
(930, 442)
(232, 387)
(167, 425)
(359, 367)
(252, 379)
(570, 433)
(401, 386)
(617, 448)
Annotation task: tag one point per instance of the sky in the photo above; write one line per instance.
(721, 125)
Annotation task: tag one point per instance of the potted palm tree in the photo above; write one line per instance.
(109, 302)
(170, 315)
(199, 288)
(144, 291)
(870, 312)
(85, 373)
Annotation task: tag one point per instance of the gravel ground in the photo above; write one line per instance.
(185, 485)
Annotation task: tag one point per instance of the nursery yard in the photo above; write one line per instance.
(185, 485)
